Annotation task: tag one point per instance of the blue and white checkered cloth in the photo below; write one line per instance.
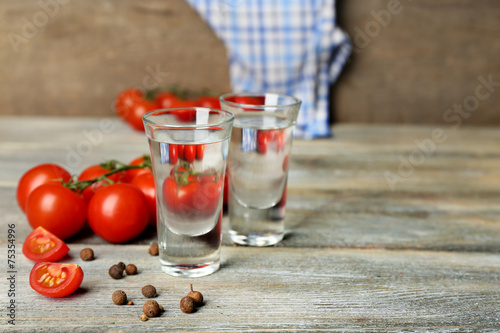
(284, 46)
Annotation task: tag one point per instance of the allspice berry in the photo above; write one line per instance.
(143, 317)
(187, 304)
(149, 291)
(196, 296)
(131, 269)
(87, 254)
(116, 272)
(151, 309)
(121, 265)
(119, 297)
(153, 249)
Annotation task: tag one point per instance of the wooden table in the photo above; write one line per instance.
(390, 228)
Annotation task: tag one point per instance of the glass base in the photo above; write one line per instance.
(189, 271)
(255, 239)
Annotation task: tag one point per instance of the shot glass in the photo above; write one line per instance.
(259, 152)
(189, 149)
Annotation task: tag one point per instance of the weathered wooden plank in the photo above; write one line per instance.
(276, 289)
(338, 195)
(413, 60)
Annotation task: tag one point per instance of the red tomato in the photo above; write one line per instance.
(42, 245)
(125, 100)
(131, 105)
(95, 171)
(282, 202)
(165, 100)
(285, 163)
(138, 110)
(248, 100)
(146, 183)
(54, 279)
(262, 141)
(225, 195)
(180, 149)
(41, 174)
(118, 213)
(208, 102)
(200, 152)
(186, 115)
(189, 153)
(173, 154)
(132, 173)
(200, 196)
(57, 209)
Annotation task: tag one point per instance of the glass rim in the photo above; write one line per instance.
(146, 116)
(222, 98)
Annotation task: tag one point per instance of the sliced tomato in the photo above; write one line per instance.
(55, 279)
(42, 245)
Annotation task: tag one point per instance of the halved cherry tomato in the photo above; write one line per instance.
(146, 183)
(95, 171)
(41, 174)
(200, 152)
(55, 279)
(189, 153)
(42, 245)
(57, 209)
(173, 154)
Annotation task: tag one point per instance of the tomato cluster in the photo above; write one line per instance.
(118, 200)
(186, 152)
(131, 104)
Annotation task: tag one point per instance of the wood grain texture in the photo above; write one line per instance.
(277, 289)
(338, 194)
(414, 64)
(359, 256)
